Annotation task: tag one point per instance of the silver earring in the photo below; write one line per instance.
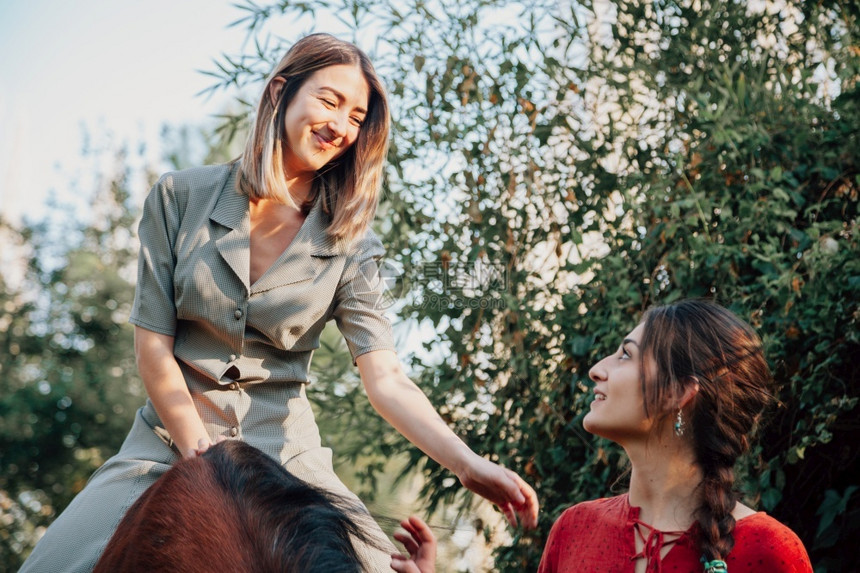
(679, 424)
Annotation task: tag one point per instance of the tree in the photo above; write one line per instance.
(557, 167)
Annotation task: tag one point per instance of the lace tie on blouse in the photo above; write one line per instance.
(653, 544)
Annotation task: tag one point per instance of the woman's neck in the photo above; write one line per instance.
(663, 484)
(299, 186)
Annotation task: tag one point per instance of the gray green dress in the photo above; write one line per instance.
(243, 348)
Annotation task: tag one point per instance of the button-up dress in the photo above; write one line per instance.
(244, 348)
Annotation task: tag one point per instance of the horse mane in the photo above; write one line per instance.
(235, 509)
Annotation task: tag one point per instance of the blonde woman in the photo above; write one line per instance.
(241, 266)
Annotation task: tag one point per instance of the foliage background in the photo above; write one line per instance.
(603, 156)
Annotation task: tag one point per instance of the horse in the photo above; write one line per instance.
(235, 509)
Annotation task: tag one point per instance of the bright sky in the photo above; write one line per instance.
(123, 67)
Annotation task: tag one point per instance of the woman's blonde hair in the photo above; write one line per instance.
(349, 185)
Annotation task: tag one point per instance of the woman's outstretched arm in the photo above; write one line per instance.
(404, 406)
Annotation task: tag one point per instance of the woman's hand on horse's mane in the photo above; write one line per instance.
(204, 444)
(517, 500)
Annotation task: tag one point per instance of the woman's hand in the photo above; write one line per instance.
(202, 445)
(421, 545)
(506, 489)
(405, 407)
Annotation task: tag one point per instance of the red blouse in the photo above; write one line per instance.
(600, 535)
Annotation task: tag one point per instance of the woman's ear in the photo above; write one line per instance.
(276, 86)
(691, 388)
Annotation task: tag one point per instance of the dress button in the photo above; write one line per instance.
(234, 431)
(238, 313)
(234, 386)
(232, 357)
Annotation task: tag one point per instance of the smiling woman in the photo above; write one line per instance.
(240, 268)
(681, 395)
(334, 115)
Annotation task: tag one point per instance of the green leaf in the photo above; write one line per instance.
(833, 506)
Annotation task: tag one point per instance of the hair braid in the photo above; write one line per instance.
(697, 341)
(716, 447)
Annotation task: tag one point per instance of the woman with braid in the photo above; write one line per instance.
(681, 395)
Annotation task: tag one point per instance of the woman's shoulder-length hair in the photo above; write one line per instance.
(349, 186)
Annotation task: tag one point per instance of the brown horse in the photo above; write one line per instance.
(234, 509)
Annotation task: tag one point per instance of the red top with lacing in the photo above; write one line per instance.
(600, 535)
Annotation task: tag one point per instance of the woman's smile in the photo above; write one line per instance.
(324, 142)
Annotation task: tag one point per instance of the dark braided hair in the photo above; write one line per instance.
(697, 341)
